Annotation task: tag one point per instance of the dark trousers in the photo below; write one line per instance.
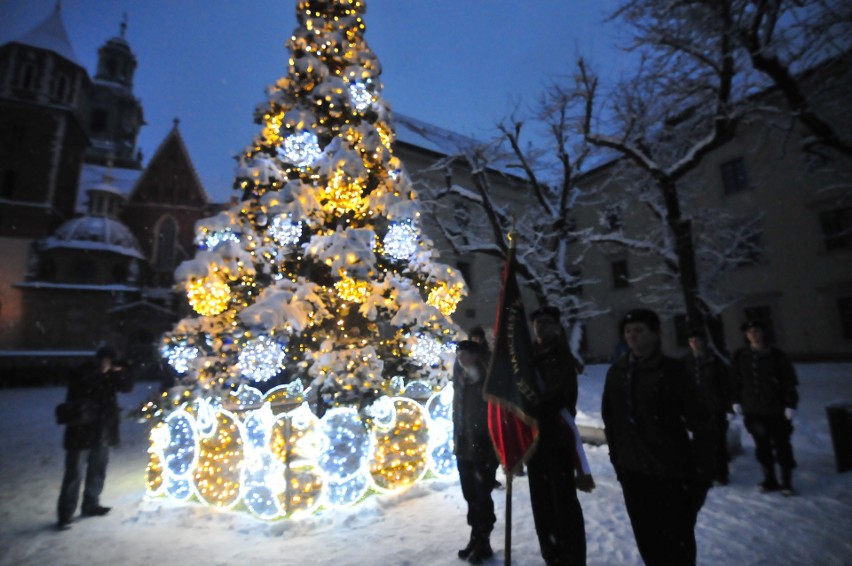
(558, 516)
(477, 479)
(722, 456)
(771, 434)
(96, 465)
(662, 513)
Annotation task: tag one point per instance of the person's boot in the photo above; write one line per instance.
(787, 482)
(96, 511)
(467, 550)
(481, 549)
(770, 482)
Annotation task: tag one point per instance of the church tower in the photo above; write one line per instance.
(113, 115)
(43, 89)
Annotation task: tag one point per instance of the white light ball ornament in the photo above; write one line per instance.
(178, 355)
(261, 358)
(400, 242)
(284, 230)
(210, 240)
(361, 97)
(301, 149)
(426, 350)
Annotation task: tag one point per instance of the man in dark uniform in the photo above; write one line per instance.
(559, 521)
(765, 394)
(475, 456)
(712, 378)
(91, 428)
(661, 440)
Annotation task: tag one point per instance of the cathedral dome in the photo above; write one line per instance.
(95, 233)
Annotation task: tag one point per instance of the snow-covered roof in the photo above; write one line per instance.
(431, 137)
(50, 34)
(92, 176)
(96, 233)
(112, 287)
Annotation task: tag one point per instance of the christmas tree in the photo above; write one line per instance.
(315, 369)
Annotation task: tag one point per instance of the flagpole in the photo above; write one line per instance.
(507, 557)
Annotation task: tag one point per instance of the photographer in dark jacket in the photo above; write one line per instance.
(475, 456)
(92, 427)
(649, 409)
(765, 394)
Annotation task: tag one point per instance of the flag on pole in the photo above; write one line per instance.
(510, 386)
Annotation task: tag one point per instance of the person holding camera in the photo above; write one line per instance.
(91, 416)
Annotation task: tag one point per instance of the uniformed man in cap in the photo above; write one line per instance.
(662, 442)
(765, 393)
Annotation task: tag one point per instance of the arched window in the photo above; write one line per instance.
(28, 72)
(60, 88)
(164, 251)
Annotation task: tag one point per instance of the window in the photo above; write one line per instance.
(612, 218)
(764, 315)
(164, 259)
(60, 87)
(750, 250)
(836, 228)
(620, 275)
(734, 177)
(464, 269)
(844, 307)
(7, 189)
(681, 330)
(98, 120)
(27, 75)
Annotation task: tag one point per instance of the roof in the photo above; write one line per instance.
(51, 35)
(95, 233)
(174, 133)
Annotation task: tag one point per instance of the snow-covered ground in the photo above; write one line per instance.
(422, 526)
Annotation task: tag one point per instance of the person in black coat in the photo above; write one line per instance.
(92, 427)
(558, 516)
(661, 439)
(712, 378)
(475, 457)
(765, 393)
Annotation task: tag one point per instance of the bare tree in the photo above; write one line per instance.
(801, 47)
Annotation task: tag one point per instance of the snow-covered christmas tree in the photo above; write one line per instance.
(316, 368)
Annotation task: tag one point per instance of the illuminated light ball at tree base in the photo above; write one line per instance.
(217, 475)
(400, 458)
(400, 242)
(301, 149)
(296, 442)
(262, 358)
(208, 295)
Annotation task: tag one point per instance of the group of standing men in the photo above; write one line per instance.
(665, 422)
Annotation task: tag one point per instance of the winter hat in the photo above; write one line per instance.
(751, 324)
(468, 346)
(476, 332)
(546, 310)
(105, 352)
(645, 316)
(697, 333)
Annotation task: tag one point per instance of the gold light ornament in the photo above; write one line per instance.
(296, 441)
(342, 194)
(353, 290)
(445, 298)
(209, 295)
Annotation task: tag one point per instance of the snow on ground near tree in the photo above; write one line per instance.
(423, 526)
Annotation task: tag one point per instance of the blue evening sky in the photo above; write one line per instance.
(459, 64)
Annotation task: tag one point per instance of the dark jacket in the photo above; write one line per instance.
(711, 376)
(99, 390)
(557, 374)
(764, 381)
(647, 425)
(471, 438)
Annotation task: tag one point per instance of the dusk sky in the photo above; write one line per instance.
(459, 64)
